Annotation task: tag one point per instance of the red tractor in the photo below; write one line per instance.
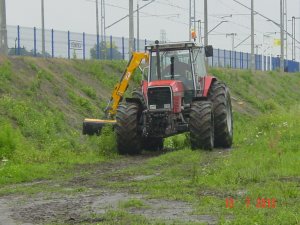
(177, 96)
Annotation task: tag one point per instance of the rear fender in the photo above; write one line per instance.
(208, 80)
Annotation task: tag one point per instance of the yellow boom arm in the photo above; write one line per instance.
(122, 86)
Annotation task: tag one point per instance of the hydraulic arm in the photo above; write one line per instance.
(94, 126)
(123, 84)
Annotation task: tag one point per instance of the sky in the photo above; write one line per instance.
(168, 15)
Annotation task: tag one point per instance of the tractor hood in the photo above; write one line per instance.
(160, 98)
(176, 85)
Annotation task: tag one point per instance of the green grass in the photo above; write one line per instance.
(41, 130)
(43, 103)
(132, 203)
(264, 163)
(264, 91)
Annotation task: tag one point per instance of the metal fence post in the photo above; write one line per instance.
(224, 58)
(230, 55)
(242, 60)
(34, 41)
(98, 48)
(247, 60)
(134, 43)
(19, 42)
(145, 42)
(212, 61)
(69, 49)
(52, 42)
(83, 46)
(123, 48)
(111, 48)
(235, 59)
(218, 57)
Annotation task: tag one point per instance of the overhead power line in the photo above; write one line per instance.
(124, 17)
(166, 17)
(267, 18)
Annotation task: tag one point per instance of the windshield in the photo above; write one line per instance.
(199, 62)
(174, 65)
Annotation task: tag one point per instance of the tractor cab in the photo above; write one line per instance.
(183, 62)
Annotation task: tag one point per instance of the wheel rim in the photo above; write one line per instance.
(229, 117)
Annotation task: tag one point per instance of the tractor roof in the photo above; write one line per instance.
(173, 46)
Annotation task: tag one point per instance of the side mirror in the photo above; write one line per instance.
(209, 51)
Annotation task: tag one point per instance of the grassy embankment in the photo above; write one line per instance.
(43, 103)
(42, 106)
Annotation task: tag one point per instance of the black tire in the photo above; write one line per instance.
(222, 110)
(153, 144)
(127, 135)
(138, 94)
(201, 125)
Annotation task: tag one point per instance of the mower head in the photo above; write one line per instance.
(94, 126)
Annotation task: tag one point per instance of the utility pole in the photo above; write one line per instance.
(131, 28)
(103, 21)
(43, 30)
(282, 36)
(252, 37)
(293, 37)
(97, 30)
(294, 52)
(195, 16)
(286, 28)
(232, 39)
(199, 31)
(138, 26)
(299, 30)
(3, 30)
(206, 23)
(190, 20)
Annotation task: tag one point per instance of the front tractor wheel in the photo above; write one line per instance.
(201, 126)
(127, 135)
(222, 110)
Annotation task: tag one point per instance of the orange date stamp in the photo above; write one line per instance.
(261, 203)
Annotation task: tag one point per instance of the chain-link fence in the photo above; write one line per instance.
(62, 44)
(241, 60)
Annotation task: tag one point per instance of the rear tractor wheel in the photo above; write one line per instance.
(222, 110)
(202, 126)
(129, 140)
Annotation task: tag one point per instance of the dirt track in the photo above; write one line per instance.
(82, 196)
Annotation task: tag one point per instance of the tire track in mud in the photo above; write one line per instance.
(78, 205)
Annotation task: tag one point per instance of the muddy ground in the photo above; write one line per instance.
(82, 196)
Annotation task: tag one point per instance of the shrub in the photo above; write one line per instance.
(107, 140)
(8, 141)
(5, 71)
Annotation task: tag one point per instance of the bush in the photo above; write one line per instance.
(8, 141)
(107, 141)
